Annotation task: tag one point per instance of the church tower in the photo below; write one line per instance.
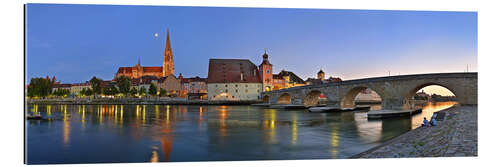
(168, 58)
(266, 72)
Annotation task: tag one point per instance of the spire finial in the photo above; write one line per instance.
(139, 62)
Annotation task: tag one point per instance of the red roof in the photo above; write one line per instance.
(61, 86)
(125, 69)
(152, 69)
(230, 70)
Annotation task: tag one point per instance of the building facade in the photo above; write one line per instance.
(320, 79)
(193, 88)
(233, 79)
(286, 79)
(171, 84)
(77, 87)
(240, 79)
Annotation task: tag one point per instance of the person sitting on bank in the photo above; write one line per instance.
(426, 122)
(433, 122)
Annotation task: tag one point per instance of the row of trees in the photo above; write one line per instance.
(123, 85)
(41, 87)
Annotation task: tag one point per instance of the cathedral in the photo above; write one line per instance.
(139, 71)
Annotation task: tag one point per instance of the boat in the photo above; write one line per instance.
(34, 117)
(323, 109)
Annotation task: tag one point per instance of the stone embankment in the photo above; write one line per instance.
(135, 101)
(455, 136)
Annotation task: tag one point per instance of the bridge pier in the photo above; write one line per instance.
(394, 104)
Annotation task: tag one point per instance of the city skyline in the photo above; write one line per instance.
(349, 44)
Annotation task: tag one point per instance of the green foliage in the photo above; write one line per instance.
(39, 87)
(142, 91)
(96, 84)
(123, 83)
(133, 91)
(110, 91)
(114, 90)
(88, 92)
(61, 92)
(163, 92)
(152, 90)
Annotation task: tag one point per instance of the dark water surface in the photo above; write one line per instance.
(145, 133)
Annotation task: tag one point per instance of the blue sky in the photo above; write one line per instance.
(76, 42)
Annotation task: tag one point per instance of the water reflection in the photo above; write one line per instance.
(129, 133)
(427, 110)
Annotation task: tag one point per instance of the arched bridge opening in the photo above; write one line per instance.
(360, 94)
(314, 98)
(284, 99)
(429, 94)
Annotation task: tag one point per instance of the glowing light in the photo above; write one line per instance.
(294, 129)
(156, 34)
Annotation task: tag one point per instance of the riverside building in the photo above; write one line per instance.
(240, 79)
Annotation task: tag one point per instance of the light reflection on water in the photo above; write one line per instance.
(151, 133)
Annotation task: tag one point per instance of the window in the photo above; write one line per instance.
(226, 90)
(226, 86)
(246, 90)
(267, 71)
(236, 90)
(235, 85)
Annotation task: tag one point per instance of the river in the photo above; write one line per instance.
(177, 133)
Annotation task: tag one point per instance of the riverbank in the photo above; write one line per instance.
(455, 136)
(136, 101)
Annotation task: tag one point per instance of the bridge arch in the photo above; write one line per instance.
(312, 98)
(284, 98)
(348, 99)
(412, 92)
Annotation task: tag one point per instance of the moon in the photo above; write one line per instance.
(156, 34)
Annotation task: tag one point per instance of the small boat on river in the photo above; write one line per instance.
(33, 117)
(323, 109)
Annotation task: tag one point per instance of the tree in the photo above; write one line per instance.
(163, 92)
(107, 91)
(133, 91)
(88, 92)
(114, 90)
(123, 83)
(142, 91)
(40, 87)
(61, 92)
(152, 90)
(96, 84)
(82, 92)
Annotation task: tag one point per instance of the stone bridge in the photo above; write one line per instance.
(396, 92)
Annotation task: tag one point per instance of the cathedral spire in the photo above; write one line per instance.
(139, 62)
(168, 58)
(167, 45)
